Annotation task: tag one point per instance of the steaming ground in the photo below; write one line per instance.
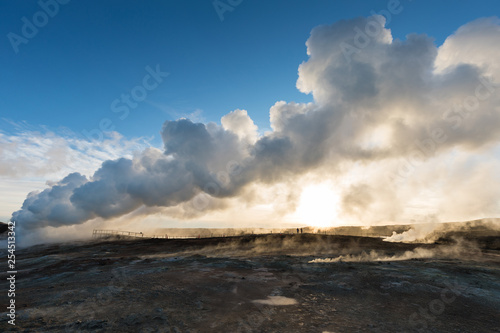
(260, 283)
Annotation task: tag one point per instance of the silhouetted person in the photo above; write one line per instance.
(297, 230)
(301, 230)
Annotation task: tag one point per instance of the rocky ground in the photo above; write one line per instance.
(266, 283)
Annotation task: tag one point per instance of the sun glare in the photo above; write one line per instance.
(319, 206)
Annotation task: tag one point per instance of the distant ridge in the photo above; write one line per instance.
(478, 227)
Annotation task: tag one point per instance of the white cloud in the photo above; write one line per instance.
(33, 158)
(240, 124)
(385, 127)
(476, 43)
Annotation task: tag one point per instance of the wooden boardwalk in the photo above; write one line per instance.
(102, 233)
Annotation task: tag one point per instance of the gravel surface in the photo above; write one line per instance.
(261, 283)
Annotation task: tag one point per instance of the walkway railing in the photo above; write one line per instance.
(102, 233)
(98, 233)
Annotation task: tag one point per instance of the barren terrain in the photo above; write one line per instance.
(259, 283)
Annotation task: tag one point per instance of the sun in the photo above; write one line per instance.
(319, 206)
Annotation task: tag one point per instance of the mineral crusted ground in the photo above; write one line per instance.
(264, 283)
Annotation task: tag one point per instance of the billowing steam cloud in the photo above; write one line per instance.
(396, 118)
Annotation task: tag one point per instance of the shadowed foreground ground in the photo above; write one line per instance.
(257, 284)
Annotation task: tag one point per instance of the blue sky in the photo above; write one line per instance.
(72, 70)
(91, 52)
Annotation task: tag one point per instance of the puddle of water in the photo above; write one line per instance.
(276, 300)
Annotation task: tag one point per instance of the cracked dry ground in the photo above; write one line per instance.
(212, 285)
